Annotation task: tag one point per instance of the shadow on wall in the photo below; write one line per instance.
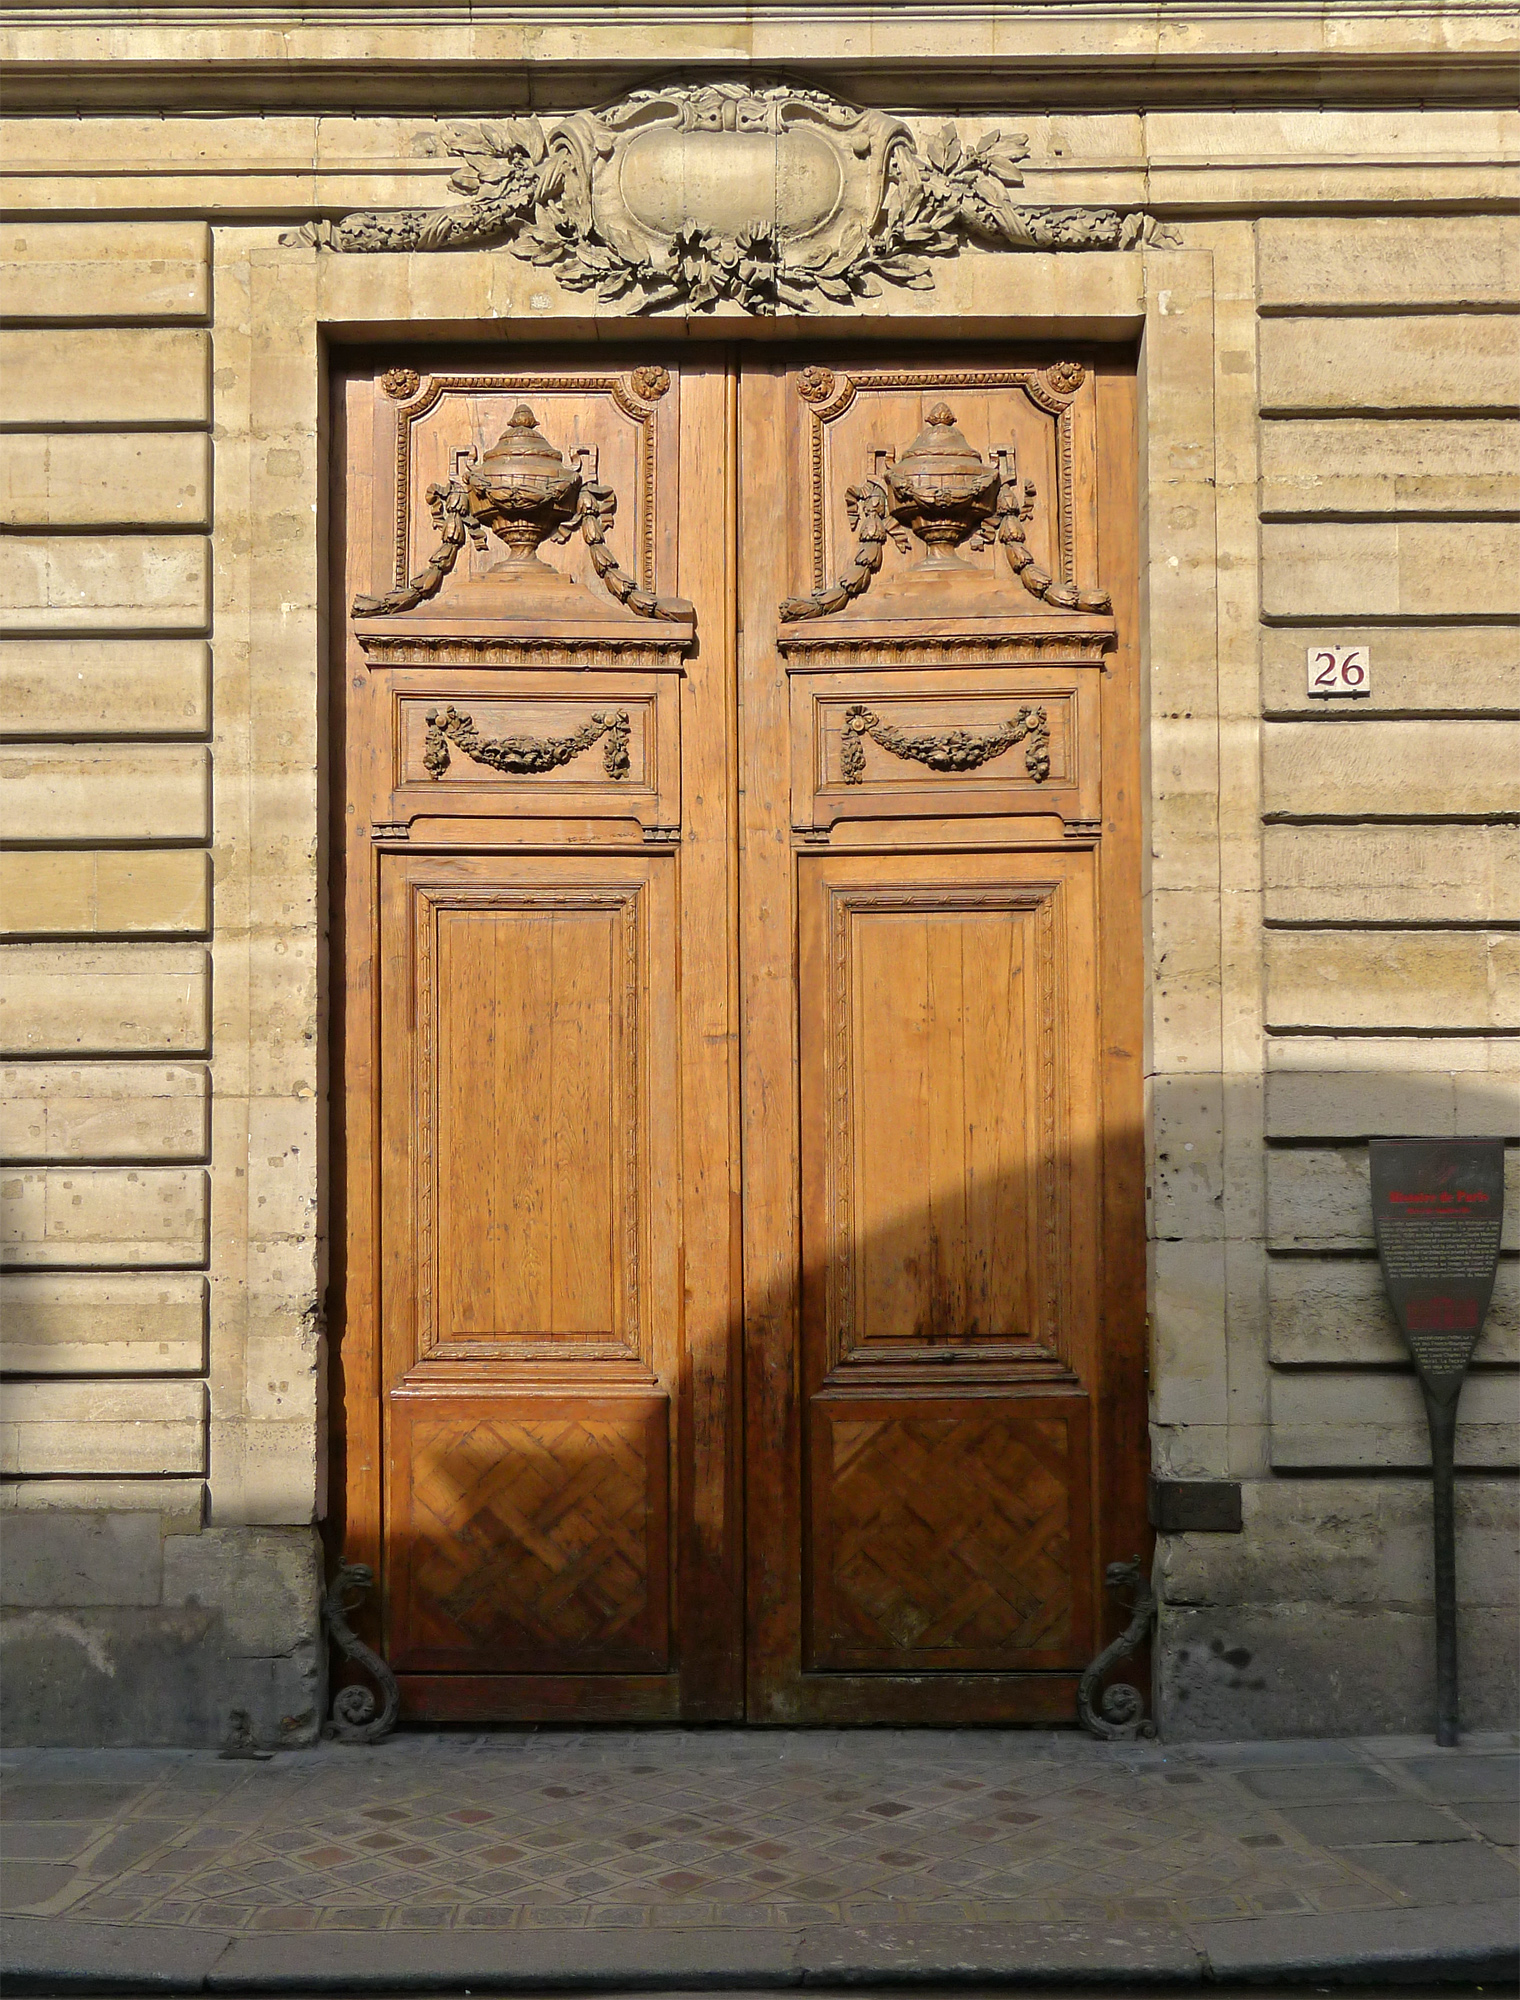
(1318, 1618)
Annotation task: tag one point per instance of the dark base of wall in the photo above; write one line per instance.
(234, 1633)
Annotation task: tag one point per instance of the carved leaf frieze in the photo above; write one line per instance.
(770, 198)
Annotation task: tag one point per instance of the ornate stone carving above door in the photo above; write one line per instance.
(768, 197)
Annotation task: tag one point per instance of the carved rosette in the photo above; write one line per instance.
(769, 198)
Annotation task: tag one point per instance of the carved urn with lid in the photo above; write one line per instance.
(942, 490)
(524, 492)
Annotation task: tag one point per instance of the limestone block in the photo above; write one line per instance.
(63, 582)
(1387, 1100)
(92, 892)
(62, 1216)
(173, 1673)
(1189, 1382)
(1323, 1418)
(137, 479)
(1390, 569)
(1390, 874)
(102, 1323)
(105, 687)
(103, 1111)
(1324, 1670)
(267, 1587)
(1185, 1003)
(1334, 1311)
(68, 1559)
(52, 271)
(1364, 465)
(1351, 766)
(1349, 1542)
(1447, 668)
(1395, 260)
(103, 999)
(1411, 362)
(94, 1428)
(1392, 979)
(1319, 1198)
(104, 375)
(178, 1505)
(107, 792)
(1187, 1123)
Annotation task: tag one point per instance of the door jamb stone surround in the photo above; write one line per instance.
(279, 311)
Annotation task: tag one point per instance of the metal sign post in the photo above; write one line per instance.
(1438, 1209)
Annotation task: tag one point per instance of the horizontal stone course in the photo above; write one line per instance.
(1388, 874)
(142, 479)
(104, 999)
(1396, 260)
(104, 1111)
(1320, 1198)
(1449, 669)
(1400, 569)
(108, 1323)
(104, 375)
(1321, 1418)
(95, 892)
(103, 1427)
(1366, 465)
(1392, 979)
(107, 792)
(128, 583)
(70, 1216)
(81, 686)
(1308, 1102)
(139, 270)
(1355, 766)
(1334, 1312)
(1407, 363)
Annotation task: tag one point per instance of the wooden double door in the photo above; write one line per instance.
(738, 1035)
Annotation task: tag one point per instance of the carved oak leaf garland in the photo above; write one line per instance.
(531, 190)
(521, 756)
(955, 750)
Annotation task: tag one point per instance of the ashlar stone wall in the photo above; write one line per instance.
(1329, 365)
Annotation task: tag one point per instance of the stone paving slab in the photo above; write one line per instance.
(728, 1857)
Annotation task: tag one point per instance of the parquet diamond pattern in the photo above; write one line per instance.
(530, 1542)
(948, 1541)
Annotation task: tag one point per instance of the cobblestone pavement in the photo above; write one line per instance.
(733, 1830)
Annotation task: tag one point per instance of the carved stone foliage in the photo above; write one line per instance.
(769, 198)
(949, 750)
(946, 495)
(521, 756)
(525, 493)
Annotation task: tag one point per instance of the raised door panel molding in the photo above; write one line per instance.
(947, 504)
(562, 747)
(531, 1534)
(944, 744)
(534, 516)
(538, 1052)
(948, 1183)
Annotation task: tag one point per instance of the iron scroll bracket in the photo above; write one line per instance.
(357, 1717)
(1117, 1714)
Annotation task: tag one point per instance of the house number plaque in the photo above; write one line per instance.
(1438, 1210)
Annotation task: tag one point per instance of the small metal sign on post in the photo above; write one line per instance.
(1438, 1209)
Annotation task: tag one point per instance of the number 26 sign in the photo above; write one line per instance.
(1340, 670)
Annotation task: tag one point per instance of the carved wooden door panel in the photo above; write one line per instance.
(944, 1268)
(538, 1329)
(738, 1131)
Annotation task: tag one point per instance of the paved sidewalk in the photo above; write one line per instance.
(764, 1858)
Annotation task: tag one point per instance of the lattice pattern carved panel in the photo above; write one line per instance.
(950, 1534)
(530, 1535)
